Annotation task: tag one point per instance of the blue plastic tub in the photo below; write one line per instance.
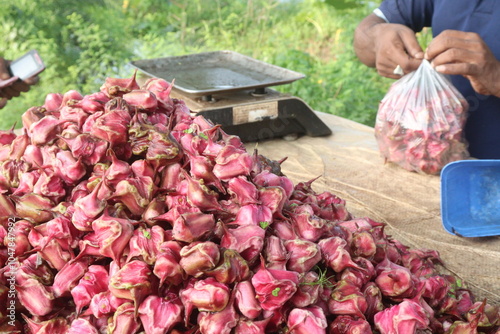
(470, 198)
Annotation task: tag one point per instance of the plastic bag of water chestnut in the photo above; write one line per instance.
(420, 121)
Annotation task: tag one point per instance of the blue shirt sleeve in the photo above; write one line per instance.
(415, 14)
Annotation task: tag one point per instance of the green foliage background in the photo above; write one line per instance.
(83, 42)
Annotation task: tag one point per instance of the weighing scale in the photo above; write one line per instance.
(232, 90)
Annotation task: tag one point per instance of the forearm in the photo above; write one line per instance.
(364, 39)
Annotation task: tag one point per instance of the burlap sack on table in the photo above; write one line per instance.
(350, 166)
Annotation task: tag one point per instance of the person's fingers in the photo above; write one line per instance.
(454, 48)
(8, 82)
(32, 81)
(4, 73)
(3, 102)
(411, 45)
(451, 39)
(20, 86)
(408, 64)
(4, 94)
(456, 56)
(388, 71)
(398, 52)
(458, 69)
(387, 66)
(9, 92)
(13, 87)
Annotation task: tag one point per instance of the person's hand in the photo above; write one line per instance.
(395, 44)
(466, 53)
(11, 86)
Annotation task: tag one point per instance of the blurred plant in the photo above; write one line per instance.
(83, 42)
(79, 46)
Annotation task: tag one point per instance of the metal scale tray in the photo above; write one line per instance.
(231, 89)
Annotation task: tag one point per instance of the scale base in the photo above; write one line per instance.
(259, 115)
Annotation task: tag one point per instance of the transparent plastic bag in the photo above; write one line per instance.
(420, 121)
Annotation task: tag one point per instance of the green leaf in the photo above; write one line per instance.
(264, 225)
